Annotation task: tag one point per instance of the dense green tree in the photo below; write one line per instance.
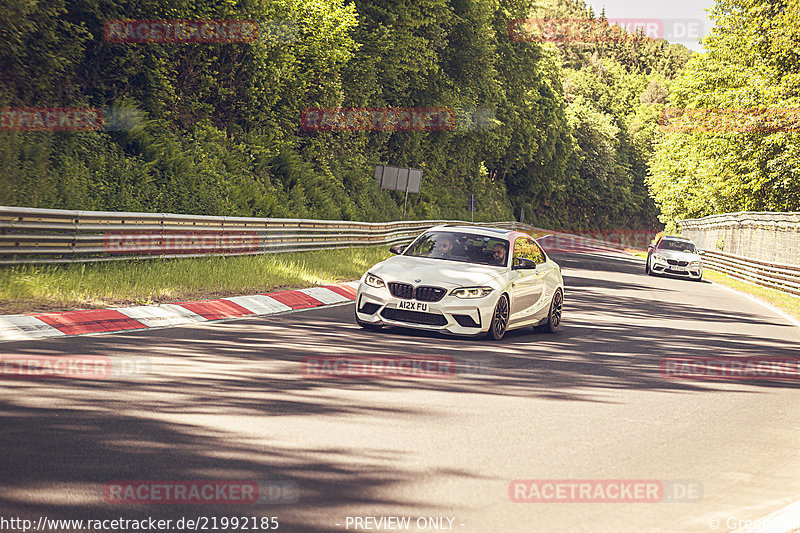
(564, 132)
(750, 64)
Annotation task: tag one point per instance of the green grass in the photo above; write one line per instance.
(783, 301)
(31, 288)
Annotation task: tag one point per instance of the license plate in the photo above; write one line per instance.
(412, 306)
(678, 269)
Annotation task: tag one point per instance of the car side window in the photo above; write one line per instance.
(528, 249)
(541, 257)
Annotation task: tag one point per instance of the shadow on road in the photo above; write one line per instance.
(64, 439)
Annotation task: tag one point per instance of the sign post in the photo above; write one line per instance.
(472, 205)
(403, 179)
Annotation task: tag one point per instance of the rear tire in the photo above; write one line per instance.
(499, 319)
(554, 316)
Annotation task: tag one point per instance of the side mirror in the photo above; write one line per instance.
(398, 248)
(523, 263)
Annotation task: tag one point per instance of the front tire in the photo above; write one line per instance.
(647, 267)
(499, 319)
(554, 316)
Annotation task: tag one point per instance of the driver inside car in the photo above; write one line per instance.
(498, 255)
(443, 247)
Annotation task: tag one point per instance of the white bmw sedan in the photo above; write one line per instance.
(464, 280)
(675, 256)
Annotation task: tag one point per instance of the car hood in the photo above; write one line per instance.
(439, 272)
(680, 256)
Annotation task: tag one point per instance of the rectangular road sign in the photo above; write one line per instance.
(390, 178)
(402, 179)
(414, 180)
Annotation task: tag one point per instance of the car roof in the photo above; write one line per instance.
(480, 230)
(676, 238)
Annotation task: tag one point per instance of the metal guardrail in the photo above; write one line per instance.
(778, 276)
(781, 277)
(760, 247)
(30, 235)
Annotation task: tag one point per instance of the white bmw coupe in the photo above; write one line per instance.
(464, 280)
(675, 256)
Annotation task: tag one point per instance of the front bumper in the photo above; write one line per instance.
(450, 314)
(690, 271)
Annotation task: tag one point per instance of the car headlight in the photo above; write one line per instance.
(471, 292)
(374, 281)
(694, 264)
(659, 258)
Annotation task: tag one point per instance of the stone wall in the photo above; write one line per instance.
(773, 237)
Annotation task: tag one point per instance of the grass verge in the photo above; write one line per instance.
(32, 288)
(783, 301)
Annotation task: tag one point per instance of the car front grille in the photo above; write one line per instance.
(401, 290)
(429, 294)
(414, 317)
(407, 291)
(675, 262)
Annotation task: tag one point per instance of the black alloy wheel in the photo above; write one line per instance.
(554, 318)
(500, 319)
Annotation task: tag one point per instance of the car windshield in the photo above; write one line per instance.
(678, 246)
(463, 247)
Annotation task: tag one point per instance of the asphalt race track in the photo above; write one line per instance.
(231, 401)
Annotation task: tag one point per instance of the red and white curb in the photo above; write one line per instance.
(68, 323)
